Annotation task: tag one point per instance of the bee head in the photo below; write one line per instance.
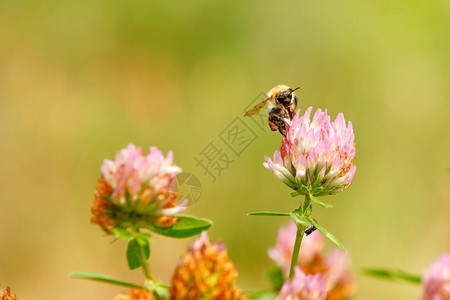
(286, 97)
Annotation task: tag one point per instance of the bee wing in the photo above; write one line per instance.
(256, 108)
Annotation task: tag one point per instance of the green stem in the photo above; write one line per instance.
(143, 261)
(157, 296)
(304, 208)
(306, 204)
(298, 242)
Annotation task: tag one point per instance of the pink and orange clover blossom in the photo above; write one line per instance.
(316, 156)
(136, 188)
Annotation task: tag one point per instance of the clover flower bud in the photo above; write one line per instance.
(7, 294)
(205, 272)
(135, 294)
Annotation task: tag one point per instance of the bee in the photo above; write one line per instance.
(281, 106)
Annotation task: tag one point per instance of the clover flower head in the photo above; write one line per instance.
(333, 265)
(135, 183)
(436, 279)
(205, 272)
(316, 156)
(339, 279)
(303, 287)
(134, 176)
(7, 294)
(135, 294)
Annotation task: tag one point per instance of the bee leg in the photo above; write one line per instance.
(291, 114)
(277, 116)
(272, 126)
(275, 122)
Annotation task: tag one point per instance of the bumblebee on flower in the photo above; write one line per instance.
(315, 159)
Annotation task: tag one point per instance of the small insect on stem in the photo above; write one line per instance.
(311, 228)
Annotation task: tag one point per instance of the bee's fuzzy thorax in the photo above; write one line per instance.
(277, 89)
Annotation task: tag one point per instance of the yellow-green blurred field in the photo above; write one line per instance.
(81, 79)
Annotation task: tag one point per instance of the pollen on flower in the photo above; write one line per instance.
(136, 188)
(316, 156)
(334, 265)
(135, 294)
(7, 294)
(205, 272)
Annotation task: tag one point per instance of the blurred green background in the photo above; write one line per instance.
(81, 79)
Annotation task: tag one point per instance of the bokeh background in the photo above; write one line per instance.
(81, 79)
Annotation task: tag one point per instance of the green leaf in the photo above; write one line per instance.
(308, 210)
(276, 277)
(260, 295)
(317, 201)
(133, 254)
(326, 233)
(295, 194)
(268, 213)
(141, 236)
(104, 278)
(393, 275)
(299, 219)
(121, 233)
(186, 226)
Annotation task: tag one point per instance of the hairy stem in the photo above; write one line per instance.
(298, 242)
(306, 211)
